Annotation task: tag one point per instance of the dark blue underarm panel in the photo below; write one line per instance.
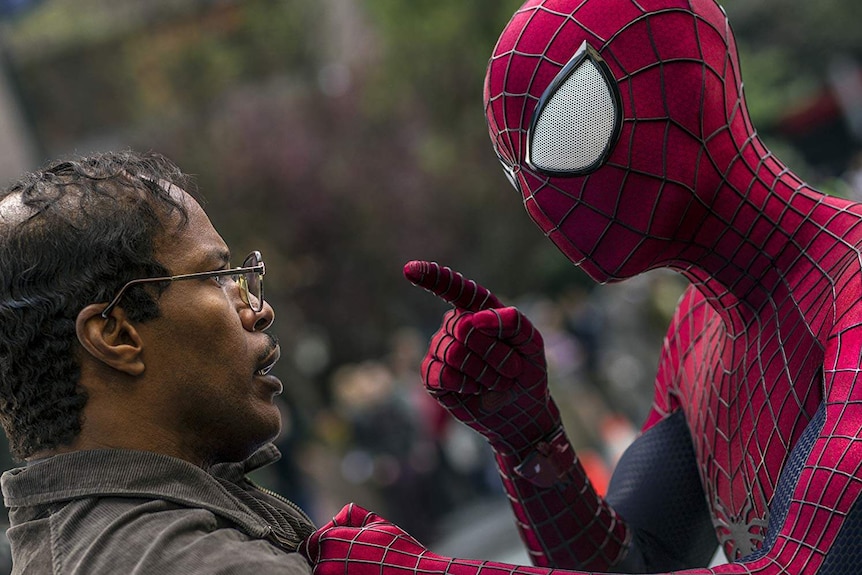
(656, 488)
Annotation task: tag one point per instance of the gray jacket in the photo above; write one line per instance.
(117, 511)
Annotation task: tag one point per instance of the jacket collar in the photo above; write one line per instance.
(138, 474)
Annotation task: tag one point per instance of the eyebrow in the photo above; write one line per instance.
(219, 257)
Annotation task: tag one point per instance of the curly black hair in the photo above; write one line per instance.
(72, 234)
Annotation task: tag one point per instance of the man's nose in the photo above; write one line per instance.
(263, 318)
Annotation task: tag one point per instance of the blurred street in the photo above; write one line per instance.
(485, 530)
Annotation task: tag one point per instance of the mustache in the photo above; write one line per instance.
(269, 349)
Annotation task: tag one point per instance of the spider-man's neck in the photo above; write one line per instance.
(768, 238)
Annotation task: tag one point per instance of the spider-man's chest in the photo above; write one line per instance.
(747, 400)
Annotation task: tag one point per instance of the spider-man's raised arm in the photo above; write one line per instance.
(486, 366)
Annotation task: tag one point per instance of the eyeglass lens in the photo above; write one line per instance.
(252, 284)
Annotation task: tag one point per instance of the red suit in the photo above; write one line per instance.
(623, 126)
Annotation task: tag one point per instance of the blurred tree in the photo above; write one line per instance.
(791, 52)
(432, 65)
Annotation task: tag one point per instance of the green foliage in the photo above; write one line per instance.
(789, 50)
(808, 33)
(435, 51)
(771, 87)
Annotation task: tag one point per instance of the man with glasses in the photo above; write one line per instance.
(135, 379)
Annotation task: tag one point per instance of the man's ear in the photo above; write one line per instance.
(113, 341)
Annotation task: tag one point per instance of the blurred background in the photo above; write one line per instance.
(343, 138)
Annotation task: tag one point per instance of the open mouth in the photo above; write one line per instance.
(269, 362)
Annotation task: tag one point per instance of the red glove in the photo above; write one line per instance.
(486, 364)
(358, 542)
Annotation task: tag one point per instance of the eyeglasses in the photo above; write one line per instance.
(249, 276)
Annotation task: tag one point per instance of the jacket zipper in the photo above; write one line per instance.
(283, 499)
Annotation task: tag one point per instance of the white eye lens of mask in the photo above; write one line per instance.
(577, 120)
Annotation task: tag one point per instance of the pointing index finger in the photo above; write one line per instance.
(450, 286)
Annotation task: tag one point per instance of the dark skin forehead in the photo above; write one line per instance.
(193, 245)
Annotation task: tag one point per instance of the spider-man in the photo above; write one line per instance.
(622, 124)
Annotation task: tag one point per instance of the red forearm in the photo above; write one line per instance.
(563, 521)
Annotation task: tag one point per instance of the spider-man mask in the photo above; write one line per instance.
(620, 122)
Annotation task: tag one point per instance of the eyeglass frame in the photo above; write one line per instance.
(260, 269)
